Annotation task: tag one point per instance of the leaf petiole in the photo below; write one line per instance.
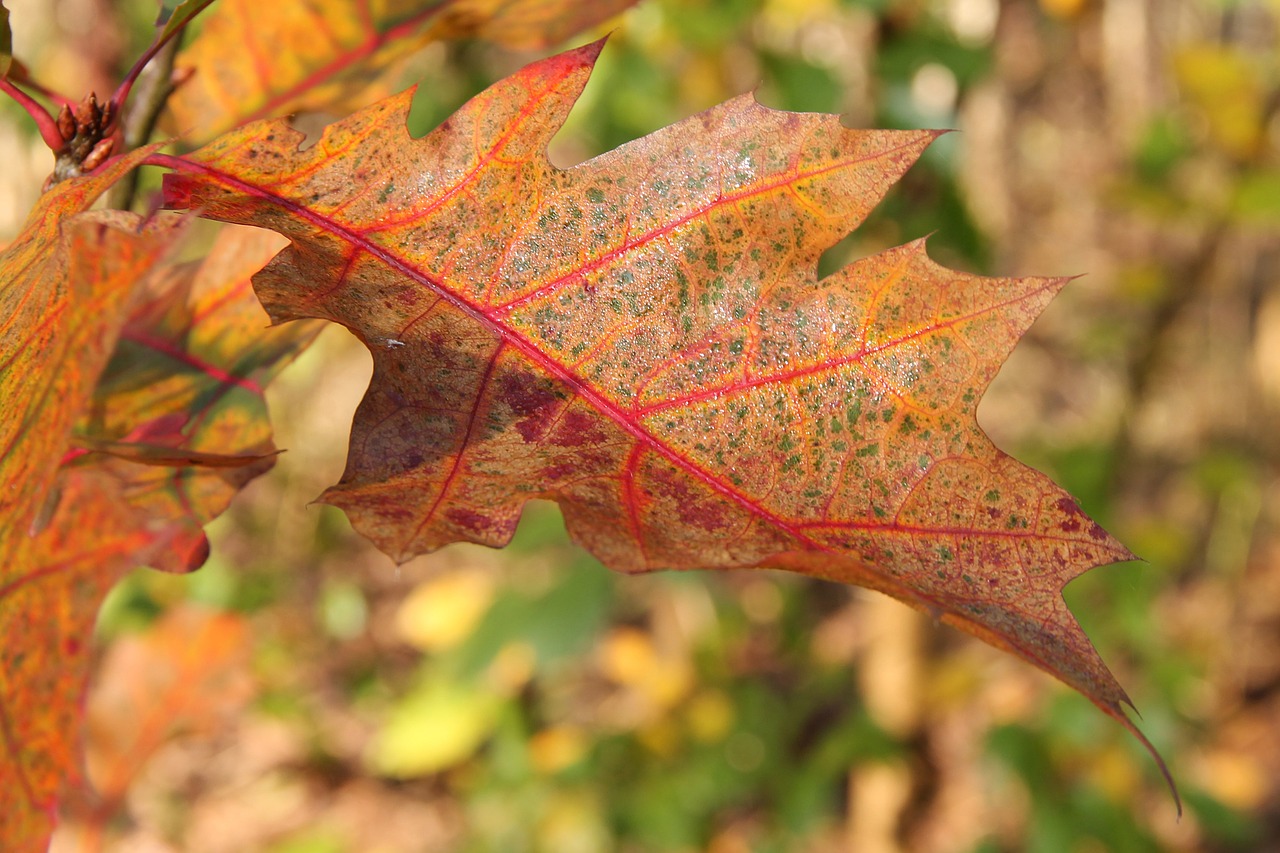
(45, 122)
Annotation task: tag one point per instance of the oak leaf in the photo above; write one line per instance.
(642, 339)
(338, 55)
(178, 416)
(188, 672)
(111, 456)
(64, 291)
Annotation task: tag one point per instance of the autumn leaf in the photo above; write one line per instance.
(188, 672)
(89, 490)
(643, 339)
(338, 55)
(60, 309)
(47, 613)
(63, 295)
(178, 416)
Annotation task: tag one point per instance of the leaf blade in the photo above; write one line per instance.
(73, 283)
(325, 55)
(642, 339)
(63, 296)
(48, 614)
(61, 312)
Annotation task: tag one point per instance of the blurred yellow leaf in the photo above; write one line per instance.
(436, 726)
(553, 749)
(710, 716)
(1227, 89)
(629, 658)
(626, 655)
(1234, 777)
(441, 612)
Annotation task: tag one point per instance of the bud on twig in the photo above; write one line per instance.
(88, 115)
(88, 135)
(181, 75)
(66, 123)
(98, 155)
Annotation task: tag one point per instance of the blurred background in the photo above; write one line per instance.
(301, 694)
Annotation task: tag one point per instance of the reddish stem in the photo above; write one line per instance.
(126, 85)
(43, 91)
(48, 126)
(166, 161)
(72, 455)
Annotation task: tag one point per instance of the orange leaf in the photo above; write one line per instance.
(184, 378)
(642, 338)
(187, 673)
(47, 611)
(337, 55)
(65, 285)
(178, 416)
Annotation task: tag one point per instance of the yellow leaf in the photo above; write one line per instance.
(552, 750)
(627, 655)
(435, 727)
(710, 716)
(1228, 91)
(441, 612)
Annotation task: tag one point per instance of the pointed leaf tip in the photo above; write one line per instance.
(1116, 712)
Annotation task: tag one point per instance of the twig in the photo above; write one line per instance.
(172, 31)
(151, 92)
